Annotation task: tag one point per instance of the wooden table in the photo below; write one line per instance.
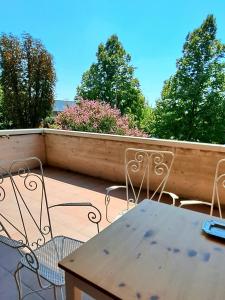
(155, 251)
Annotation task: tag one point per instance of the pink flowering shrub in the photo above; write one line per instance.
(95, 116)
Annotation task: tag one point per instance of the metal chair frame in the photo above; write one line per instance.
(219, 182)
(146, 163)
(28, 247)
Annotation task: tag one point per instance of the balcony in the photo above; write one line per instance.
(79, 166)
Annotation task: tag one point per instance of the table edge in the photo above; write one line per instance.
(88, 282)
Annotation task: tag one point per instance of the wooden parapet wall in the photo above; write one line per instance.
(102, 156)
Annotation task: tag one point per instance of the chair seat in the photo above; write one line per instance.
(48, 257)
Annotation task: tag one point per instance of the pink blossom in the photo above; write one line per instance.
(96, 116)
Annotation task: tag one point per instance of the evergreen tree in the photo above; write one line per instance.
(112, 80)
(192, 104)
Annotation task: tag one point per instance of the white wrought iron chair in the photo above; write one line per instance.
(218, 190)
(40, 250)
(146, 173)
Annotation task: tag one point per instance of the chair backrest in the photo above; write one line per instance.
(147, 172)
(26, 212)
(218, 186)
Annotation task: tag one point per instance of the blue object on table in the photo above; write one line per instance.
(214, 228)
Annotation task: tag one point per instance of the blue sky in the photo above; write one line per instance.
(153, 32)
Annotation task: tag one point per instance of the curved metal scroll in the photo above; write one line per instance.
(146, 171)
(24, 182)
(94, 216)
(218, 185)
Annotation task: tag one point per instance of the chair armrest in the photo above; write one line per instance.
(114, 187)
(194, 202)
(172, 195)
(93, 216)
(72, 204)
(107, 197)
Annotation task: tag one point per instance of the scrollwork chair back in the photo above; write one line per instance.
(30, 194)
(147, 172)
(218, 191)
(9, 206)
(218, 186)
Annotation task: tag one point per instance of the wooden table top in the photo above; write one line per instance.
(155, 251)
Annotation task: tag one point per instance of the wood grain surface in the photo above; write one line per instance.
(155, 251)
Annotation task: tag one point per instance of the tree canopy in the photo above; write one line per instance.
(112, 80)
(2, 125)
(27, 77)
(192, 104)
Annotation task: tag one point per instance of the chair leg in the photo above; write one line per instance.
(17, 277)
(55, 292)
(55, 288)
(18, 280)
(62, 293)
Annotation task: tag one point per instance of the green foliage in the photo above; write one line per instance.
(1, 115)
(1, 94)
(4, 124)
(192, 104)
(48, 122)
(27, 79)
(112, 80)
(148, 120)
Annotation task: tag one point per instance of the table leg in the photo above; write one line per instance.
(72, 292)
(75, 287)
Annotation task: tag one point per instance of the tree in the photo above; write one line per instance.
(192, 104)
(148, 120)
(27, 79)
(1, 115)
(1, 97)
(112, 80)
